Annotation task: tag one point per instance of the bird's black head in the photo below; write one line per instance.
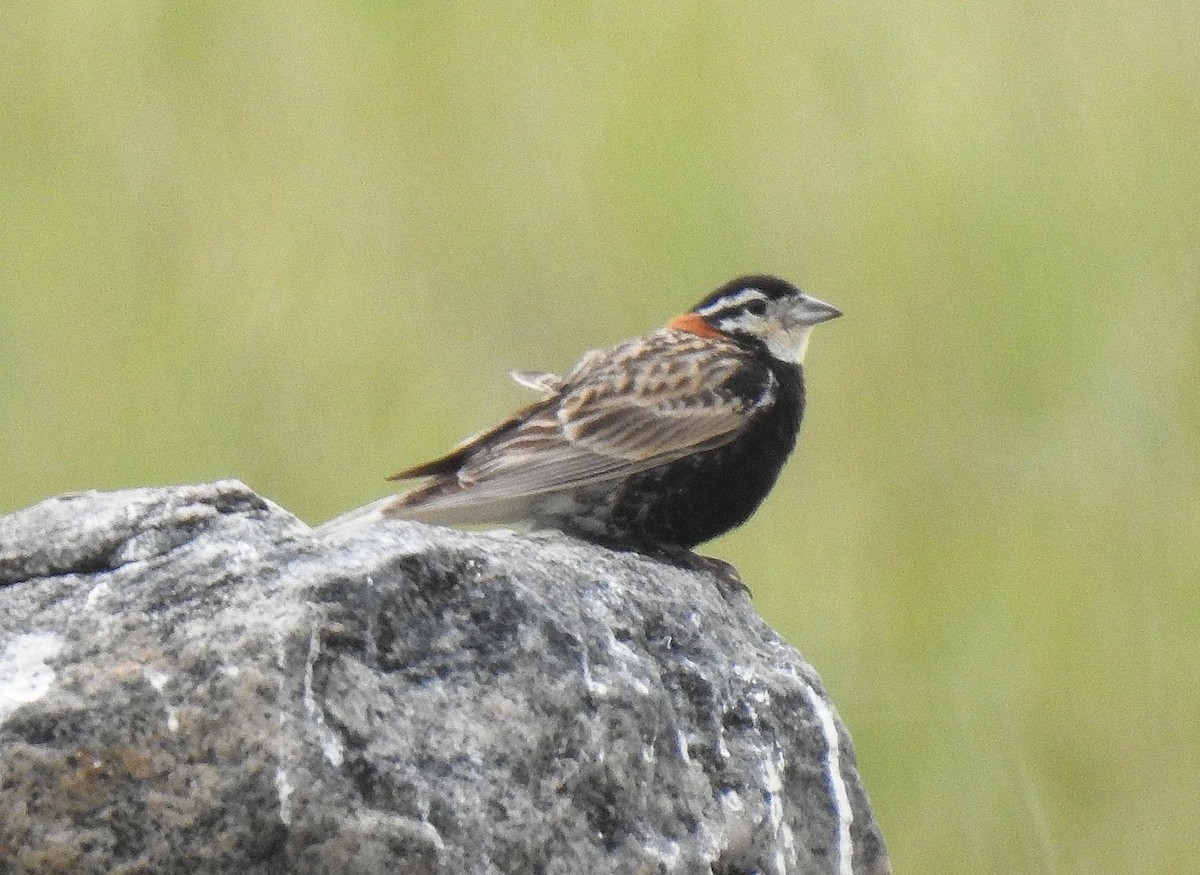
(767, 310)
(770, 288)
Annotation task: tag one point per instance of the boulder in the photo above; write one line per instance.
(193, 680)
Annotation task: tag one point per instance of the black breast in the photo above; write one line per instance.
(699, 497)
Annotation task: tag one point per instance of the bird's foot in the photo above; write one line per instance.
(727, 576)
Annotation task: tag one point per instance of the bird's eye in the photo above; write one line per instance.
(756, 308)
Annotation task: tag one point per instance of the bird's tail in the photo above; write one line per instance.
(366, 515)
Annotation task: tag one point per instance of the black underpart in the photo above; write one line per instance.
(696, 498)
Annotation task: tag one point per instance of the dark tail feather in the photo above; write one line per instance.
(453, 460)
(446, 464)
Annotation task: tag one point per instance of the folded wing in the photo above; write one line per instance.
(639, 405)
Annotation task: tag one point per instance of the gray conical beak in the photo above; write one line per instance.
(811, 311)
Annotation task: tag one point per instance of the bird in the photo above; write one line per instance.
(655, 445)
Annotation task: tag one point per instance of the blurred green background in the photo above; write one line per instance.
(301, 244)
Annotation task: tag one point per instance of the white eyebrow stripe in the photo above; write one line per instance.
(732, 302)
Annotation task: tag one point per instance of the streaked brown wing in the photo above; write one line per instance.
(538, 381)
(638, 405)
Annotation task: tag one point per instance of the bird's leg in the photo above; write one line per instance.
(728, 579)
(727, 576)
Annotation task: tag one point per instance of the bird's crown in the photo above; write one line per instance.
(767, 310)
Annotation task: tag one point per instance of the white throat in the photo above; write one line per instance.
(791, 344)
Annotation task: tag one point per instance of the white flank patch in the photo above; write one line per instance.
(24, 675)
(841, 799)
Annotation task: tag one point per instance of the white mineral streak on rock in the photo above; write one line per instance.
(24, 675)
(283, 789)
(330, 743)
(158, 680)
(837, 784)
(772, 772)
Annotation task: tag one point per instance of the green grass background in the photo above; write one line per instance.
(301, 244)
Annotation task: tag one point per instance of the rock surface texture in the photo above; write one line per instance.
(192, 680)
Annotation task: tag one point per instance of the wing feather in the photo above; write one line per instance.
(539, 381)
(636, 406)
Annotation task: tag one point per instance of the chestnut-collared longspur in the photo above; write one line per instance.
(656, 444)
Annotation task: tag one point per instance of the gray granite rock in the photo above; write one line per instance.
(192, 680)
